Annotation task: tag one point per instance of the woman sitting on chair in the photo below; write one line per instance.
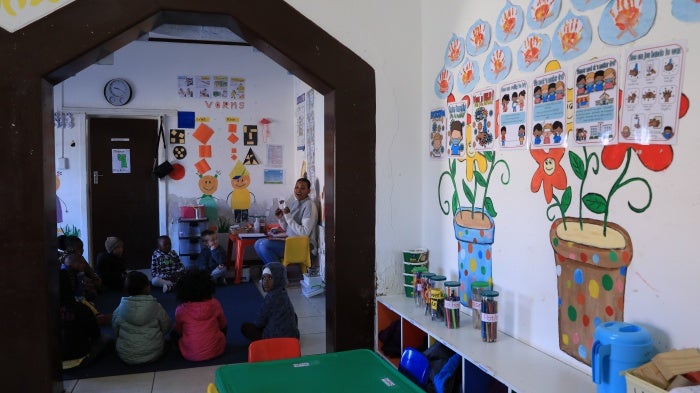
(297, 219)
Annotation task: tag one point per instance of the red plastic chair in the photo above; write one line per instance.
(273, 349)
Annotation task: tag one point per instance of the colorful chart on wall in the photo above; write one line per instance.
(509, 23)
(478, 38)
(532, 52)
(572, 37)
(456, 119)
(686, 10)
(549, 110)
(467, 76)
(652, 96)
(454, 53)
(512, 116)
(484, 121)
(443, 83)
(595, 108)
(542, 13)
(436, 135)
(498, 63)
(625, 21)
(585, 5)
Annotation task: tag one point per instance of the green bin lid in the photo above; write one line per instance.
(419, 269)
(452, 283)
(480, 284)
(489, 294)
(438, 278)
(428, 274)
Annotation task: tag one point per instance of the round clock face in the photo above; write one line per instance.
(118, 92)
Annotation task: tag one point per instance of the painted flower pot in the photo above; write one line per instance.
(591, 270)
(474, 239)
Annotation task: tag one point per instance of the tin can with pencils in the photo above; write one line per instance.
(489, 316)
(452, 304)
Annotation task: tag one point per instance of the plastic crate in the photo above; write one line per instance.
(638, 385)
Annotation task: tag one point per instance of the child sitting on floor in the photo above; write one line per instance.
(140, 323)
(199, 319)
(212, 257)
(74, 265)
(276, 317)
(110, 264)
(166, 268)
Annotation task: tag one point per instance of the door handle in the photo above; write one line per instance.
(96, 177)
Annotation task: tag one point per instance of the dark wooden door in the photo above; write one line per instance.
(123, 194)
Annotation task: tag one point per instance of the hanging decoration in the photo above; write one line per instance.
(532, 52)
(467, 76)
(498, 63)
(510, 23)
(572, 37)
(542, 13)
(585, 5)
(443, 83)
(685, 10)
(454, 53)
(625, 21)
(265, 129)
(478, 38)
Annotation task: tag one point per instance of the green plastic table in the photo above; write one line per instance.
(359, 370)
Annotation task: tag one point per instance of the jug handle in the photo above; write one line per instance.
(599, 351)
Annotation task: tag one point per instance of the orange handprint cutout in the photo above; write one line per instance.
(626, 14)
(570, 35)
(466, 74)
(455, 50)
(478, 38)
(531, 49)
(444, 81)
(509, 20)
(498, 62)
(542, 10)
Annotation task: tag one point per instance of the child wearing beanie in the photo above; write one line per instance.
(111, 267)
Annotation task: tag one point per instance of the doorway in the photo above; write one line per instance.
(123, 194)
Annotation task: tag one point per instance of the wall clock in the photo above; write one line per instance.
(118, 92)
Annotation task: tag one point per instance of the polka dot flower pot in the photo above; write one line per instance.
(474, 234)
(591, 269)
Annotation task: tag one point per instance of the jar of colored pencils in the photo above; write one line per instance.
(418, 284)
(452, 304)
(437, 298)
(489, 316)
(477, 288)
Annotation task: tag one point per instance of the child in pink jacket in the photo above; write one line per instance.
(199, 319)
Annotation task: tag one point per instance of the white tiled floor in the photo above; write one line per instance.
(312, 326)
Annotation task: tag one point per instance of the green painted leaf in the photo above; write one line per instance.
(468, 192)
(577, 165)
(455, 203)
(480, 179)
(565, 200)
(488, 206)
(453, 168)
(596, 203)
(490, 156)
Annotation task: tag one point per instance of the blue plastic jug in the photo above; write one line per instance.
(618, 346)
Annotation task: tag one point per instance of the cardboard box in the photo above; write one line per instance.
(312, 281)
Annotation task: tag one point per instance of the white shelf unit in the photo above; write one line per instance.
(189, 232)
(520, 367)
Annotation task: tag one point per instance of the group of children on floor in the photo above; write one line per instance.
(143, 330)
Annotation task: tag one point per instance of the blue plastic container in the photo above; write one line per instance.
(618, 346)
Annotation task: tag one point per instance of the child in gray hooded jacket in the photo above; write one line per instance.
(140, 323)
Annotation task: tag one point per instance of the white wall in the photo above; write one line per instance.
(152, 69)
(662, 277)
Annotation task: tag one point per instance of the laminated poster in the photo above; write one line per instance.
(595, 103)
(686, 10)
(467, 76)
(498, 63)
(625, 21)
(549, 111)
(483, 123)
(532, 52)
(651, 98)
(542, 13)
(436, 134)
(454, 53)
(478, 38)
(510, 23)
(512, 116)
(572, 37)
(121, 160)
(456, 120)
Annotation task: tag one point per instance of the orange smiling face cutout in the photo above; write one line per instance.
(208, 184)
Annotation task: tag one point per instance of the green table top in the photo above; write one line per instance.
(359, 370)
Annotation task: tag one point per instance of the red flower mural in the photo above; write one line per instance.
(654, 157)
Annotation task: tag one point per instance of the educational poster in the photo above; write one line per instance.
(121, 160)
(443, 83)
(512, 117)
(275, 156)
(549, 111)
(478, 38)
(572, 37)
(542, 13)
(454, 53)
(595, 107)
(310, 137)
(686, 10)
(185, 84)
(498, 63)
(437, 128)
(300, 118)
(202, 86)
(625, 21)
(217, 87)
(237, 86)
(652, 94)
(456, 119)
(532, 52)
(467, 76)
(483, 123)
(510, 23)
(273, 176)
(220, 87)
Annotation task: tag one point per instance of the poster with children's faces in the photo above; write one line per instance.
(595, 103)
(548, 111)
(483, 120)
(456, 119)
(512, 116)
(437, 129)
(651, 98)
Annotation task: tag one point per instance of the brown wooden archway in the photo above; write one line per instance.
(61, 44)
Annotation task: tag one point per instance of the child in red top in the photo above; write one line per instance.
(199, 319)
